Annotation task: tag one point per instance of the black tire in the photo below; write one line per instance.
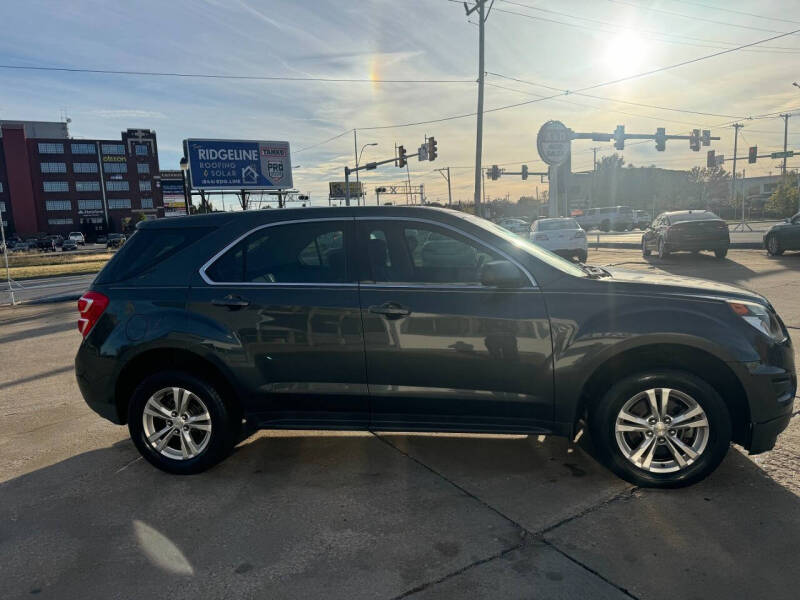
(603, 416)
(582, 256)
(605, 226)
(773, 245)
(721, 252)
(645, 250)
(663, 251)
(225, 423)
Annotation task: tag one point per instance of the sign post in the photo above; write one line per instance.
(553, 144)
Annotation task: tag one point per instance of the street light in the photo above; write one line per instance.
(184, 169)
(359, 157)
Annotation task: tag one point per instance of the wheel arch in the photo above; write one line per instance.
(696, 361)
(159, 359)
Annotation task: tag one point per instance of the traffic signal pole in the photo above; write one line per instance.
(785, 140)
(740, 226)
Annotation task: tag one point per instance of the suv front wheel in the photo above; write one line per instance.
(661, 429)
(180, 424)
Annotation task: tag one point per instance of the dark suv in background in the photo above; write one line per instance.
(203, 328)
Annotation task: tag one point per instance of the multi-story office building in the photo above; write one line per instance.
(52, 183)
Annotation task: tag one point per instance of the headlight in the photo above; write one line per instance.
(761, 318)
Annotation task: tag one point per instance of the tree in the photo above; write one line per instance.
(784, 199)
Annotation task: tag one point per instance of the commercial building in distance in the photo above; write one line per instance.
(52, 183)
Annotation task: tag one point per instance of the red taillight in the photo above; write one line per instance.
(90, 306)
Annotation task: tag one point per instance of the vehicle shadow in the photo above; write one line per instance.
(703, 265)
(357, 515)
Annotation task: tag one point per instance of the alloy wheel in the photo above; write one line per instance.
(772, 244)
(176, 423)
(662, 430)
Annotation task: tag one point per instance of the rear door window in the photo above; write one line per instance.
(309, 252)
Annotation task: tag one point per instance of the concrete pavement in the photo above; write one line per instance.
(355, 515)
(47, 289)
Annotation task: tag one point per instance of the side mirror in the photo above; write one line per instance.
(502, 274)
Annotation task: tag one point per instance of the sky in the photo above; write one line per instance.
(563, 44)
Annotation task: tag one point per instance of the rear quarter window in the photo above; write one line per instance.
(146, 249)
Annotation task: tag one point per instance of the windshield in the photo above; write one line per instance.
(554, 224)
(538, 252)
(694, 216)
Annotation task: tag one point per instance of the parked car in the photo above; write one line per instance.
(78, 237)
(101, 239)
(115, 240)
(560, 235)
(46, 244)
(616, 218)
(518, 226)
(70, 245)
(783, 236)
(204, 328)
(692, 230)
(59, 240)
(641, 219)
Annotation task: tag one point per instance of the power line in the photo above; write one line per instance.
(336, 137)
(693, 18)
(640, 104)
(738, 12)
(769, 49)
(221, 76)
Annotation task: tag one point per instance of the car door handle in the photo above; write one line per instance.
(390, 310)
(231, 301)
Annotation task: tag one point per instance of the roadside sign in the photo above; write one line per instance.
(337, 189)
(238, 164)
(174, 200)
(787, 154)
(553, 142)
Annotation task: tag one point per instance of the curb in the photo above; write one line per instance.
(638, 246)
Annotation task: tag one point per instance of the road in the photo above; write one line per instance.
(46, 289)
(306, 514)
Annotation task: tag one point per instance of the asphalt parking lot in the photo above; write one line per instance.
(356, 515)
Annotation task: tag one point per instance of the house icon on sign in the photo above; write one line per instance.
(249, 175)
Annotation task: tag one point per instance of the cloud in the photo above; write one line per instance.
(128, 113)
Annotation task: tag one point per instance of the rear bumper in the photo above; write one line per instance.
(95, 382)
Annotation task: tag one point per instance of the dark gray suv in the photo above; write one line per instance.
(204, 328)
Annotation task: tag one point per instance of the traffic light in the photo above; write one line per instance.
(661, 139)
(401, 157)
(694, 140)
(619, 137)
(752, 154)
(706, 138)
(524, 172)
(494, 173)
(711, 159)
(432, 148)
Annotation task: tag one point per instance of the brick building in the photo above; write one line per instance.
(52, 183)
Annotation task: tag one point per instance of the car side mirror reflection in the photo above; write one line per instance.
(502, 274)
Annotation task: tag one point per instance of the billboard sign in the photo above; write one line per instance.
(553, 142)
(238, 164)
(172, 191)
(337, 189)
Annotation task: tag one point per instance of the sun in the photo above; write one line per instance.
(625, 54)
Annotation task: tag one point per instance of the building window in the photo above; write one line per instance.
(87, 186)
(117, 186)
(53, 205)
(90, 205)
(84, 167)
(55, 186)
(143, 168)
(50, 167)
(141, 149)
(113, 149)
(147, 203)
(1, 186)
(118, 203)
(145, 186)
(47, 148)
(3, 206)
(96, 220)
(59, 221)
(115, 167)
(83, 149)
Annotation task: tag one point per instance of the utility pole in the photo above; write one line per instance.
(355, 153)
(785, 138)
(447, 177)
(480, 6)
(594, 172)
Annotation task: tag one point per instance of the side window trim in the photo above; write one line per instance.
(215, 257)
(461, 232)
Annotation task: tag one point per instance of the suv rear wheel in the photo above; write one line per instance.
(663, 252)
(661, 429)
(774, 246)
(180, 424)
